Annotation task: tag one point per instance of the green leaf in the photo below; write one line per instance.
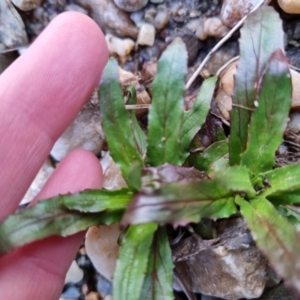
(94, 200)
(270, 117)
(283, 185)
(63, 215)
(117, 124)
(159, 274)
(276, 237)
(257, 43)
(166, 110)
(139, 135)
(185, 202)
(211, 155)
(132, 262)
(194, 118)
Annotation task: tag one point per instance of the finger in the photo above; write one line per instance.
(40, 94)
(37, 271)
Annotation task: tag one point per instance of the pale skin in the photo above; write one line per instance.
(40, 94)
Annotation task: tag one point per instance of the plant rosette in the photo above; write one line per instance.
(232, 176)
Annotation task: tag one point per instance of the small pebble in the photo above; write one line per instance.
(84, 132)
(74, 7)
(74, 274)
(150, 14)
(234, 10)
(131, 5)
(110, 17)
(92, 296)
(70, 293)
(215, 28)
(161, 19)
(38, 182)
(146, 35)
(290, 6)
(118, 46)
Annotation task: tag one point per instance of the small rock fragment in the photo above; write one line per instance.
(149, 71)
(74, 7)
(146, 35)
(27, 4)
(110, 18)
(229, 267)
(212, 27)
(290, 6)
(234, 10)
(118, 46)
(193, 45)
(102, 248)
(93, 296)
(74, 274)
(161, 19)
(112, 179)
(131, 5)
(294, 123)
(38, 182)
(84, 132)
(12, 29)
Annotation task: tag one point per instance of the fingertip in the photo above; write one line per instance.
(79, 170)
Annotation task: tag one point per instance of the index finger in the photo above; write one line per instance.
(40, 94)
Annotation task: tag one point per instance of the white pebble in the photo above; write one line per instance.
(121, 47)
(74, 274)
(146, 35)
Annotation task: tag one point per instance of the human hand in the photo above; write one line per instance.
(40, 94)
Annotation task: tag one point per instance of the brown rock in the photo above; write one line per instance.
(234, 10)
(27, 4)
(229, 267)
(110, 18)
(290, 6)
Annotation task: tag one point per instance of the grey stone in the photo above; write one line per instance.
(110, 18)
(131, 5)
(12, 29)
(84, 132)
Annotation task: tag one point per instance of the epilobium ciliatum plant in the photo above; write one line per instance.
(234, 175)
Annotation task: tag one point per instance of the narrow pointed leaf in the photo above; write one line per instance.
(132, 262)
(195, 117)
(159, 275)
(210, 155)
(270, 117)
(94, 200)
(276, 237)
(116, 122)
(257, 43)
(283, 185)
(63, 215)
(185, 202)
(166, 110)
